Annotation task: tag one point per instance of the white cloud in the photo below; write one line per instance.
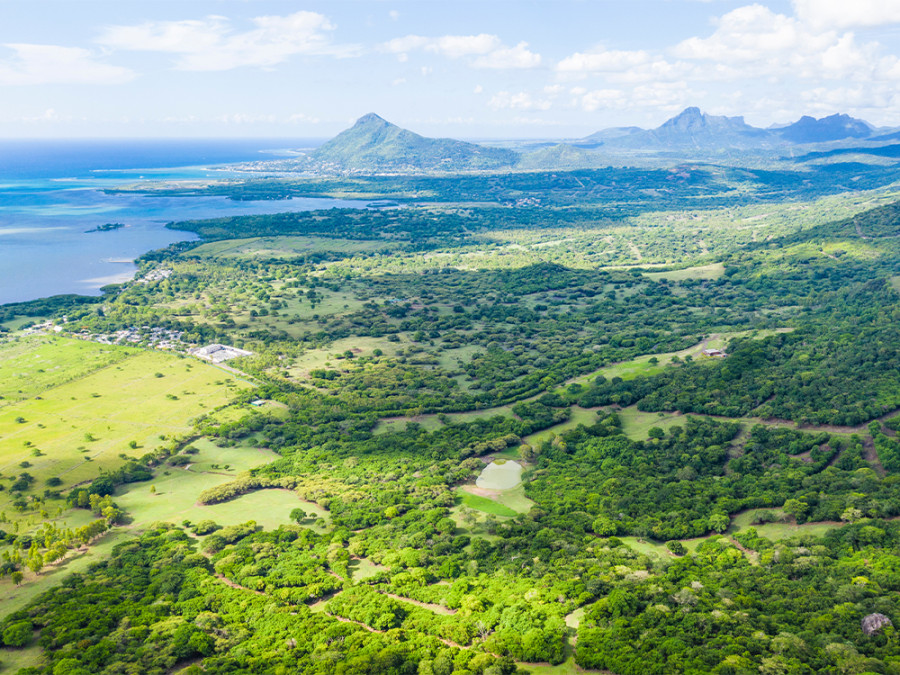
(455, 46)
(398, 82)
(212, 44)
(750, 33)
(823, 14)
(621, 66)
(602, 99)
(671, 96)
(518, 101)
(483, 50)
(478, 89)
(512, 57)
(302, 118)
(52, 64)
(601, 60)
(753, 41)
(394, 14)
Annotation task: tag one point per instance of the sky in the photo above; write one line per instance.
(459, 68)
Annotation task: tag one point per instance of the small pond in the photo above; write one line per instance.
(500, 475)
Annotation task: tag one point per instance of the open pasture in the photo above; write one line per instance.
(31, 364)
(285, 248)
(702, 272)
(175, 490)
(75, 430)
(578, 416)
(637, 424)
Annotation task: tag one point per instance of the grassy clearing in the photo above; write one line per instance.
(362, 568)
(895, 282)
(14, 598)
(713, 271)
(175, 500)
(20, 321)
(486, 413)
(579, 416)
(637, 424)
(432, 422)
(326, 356)
(515, 499)
(30, 365)
(12, 660)
(778, 531)
(177, 490)
(642, 365)
(484, 504)
(646, 546)
(448, 359)
(75, 430)
(395, 424)
(287, 247)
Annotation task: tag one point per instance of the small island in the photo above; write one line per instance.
(107, 227)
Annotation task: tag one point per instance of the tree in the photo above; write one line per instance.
(719, 522)
(18, 634)
(797, 509)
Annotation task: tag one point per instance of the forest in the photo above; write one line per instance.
(696, 387)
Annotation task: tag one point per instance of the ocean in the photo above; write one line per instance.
(51, 194)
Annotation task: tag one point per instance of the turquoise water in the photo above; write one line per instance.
(45, 209)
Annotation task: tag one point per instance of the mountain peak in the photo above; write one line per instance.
(370, 119)
(374, 144)
(832, 128)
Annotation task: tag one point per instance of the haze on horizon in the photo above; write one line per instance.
(562, 69)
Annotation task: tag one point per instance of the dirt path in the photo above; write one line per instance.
(871, 456)
(431, 607)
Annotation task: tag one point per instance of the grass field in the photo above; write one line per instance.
(29, 365)
(713, 271)
(286, 247)
(362, 568)
(300, 366)
(579, 416)
(76, 429)
(431, 422)
(12, 660)
(177, 490)
(19, 321)
(637, 424)
(484, 504)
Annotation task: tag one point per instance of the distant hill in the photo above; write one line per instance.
(374, 144)
(832, 128)
(690, 129)
(561, 156)
(695, 130)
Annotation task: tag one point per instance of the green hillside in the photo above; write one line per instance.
(374, 144)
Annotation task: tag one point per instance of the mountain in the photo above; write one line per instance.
(691, 129)
(832, 128)
(374, 144)
(559, 157)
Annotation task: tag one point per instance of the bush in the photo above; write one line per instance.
(676, 547)
(18, 634)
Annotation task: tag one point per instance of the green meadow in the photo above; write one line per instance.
(112, 401)
(284, 248)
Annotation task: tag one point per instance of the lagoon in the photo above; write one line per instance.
(48, 201)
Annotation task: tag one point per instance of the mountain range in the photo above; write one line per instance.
(373, 144)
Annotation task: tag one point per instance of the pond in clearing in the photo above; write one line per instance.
(500, 475)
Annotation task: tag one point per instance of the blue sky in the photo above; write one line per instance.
(485, 69)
